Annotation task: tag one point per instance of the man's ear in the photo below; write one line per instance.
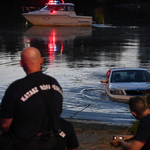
(42, 61)
(20, 63)
(134, 114)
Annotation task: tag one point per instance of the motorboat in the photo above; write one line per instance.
(56, 13)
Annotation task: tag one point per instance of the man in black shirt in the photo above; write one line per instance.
(23, 107)
(141, 141)
(69, 139)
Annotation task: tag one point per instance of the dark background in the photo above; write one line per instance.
(14, 6)
(10, 10)
(41, 3)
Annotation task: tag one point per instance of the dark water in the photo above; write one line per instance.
(78, 57)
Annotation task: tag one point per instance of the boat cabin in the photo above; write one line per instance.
(53, 5)
(58, 7)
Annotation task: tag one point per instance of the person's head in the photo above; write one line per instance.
(137, 106)
(148, 101)
(31, 60)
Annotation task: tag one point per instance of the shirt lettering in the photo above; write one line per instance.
(45, 87)
(35, 90)
(56, 88)
(29, 94)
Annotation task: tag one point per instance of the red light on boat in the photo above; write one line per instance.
(53, 12)
(51, 1)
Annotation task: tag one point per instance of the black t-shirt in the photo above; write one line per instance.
(143, 133)
(23, 102)
(70, 141)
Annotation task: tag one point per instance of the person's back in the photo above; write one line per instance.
(25, 104)
(23, 108)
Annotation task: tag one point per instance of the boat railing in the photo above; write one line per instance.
(29, 9)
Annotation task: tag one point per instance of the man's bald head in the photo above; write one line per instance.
(31, 60)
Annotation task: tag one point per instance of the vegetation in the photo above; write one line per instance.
(134, 127)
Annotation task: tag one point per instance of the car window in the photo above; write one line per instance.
(130, 76)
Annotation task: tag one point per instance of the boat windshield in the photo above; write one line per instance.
(58, 8)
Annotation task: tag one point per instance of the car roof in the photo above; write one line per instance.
(120, 69)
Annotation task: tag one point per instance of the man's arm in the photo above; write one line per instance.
(135, 145)
(5, 124)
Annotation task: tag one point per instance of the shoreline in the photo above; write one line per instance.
(84, 121)
(94, 135)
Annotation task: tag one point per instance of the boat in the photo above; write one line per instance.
(56, 13)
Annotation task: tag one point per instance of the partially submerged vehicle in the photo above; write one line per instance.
(124, 83)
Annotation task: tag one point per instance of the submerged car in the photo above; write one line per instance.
(124, 83)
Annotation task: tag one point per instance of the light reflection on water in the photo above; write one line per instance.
(78, 58)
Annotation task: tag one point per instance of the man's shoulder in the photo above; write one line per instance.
(15, 85)
(146, 118)
(52, 80)
(16, 82)
(42, 76)
(145, 121)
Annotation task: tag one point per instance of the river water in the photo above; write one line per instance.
(78, 57)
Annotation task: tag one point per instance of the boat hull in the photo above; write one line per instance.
(58, 20)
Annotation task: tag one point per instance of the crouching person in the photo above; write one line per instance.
(141, 141)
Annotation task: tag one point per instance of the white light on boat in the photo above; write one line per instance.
(53, 12)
